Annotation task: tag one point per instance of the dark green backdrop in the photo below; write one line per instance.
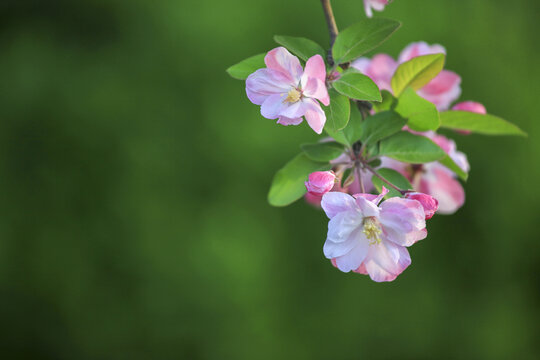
(133, 180)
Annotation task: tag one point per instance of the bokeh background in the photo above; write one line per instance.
(133, 181)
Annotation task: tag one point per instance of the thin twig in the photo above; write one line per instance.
(332, 26)
(359, 177)
(384, 180)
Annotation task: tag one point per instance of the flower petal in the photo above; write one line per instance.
(315, 116)
(385, 261)
(342, 225)
(273, 106)
(335, 202)
(280, 59)
(354, 258)
(283, 120)
(265, 82)
(439, 183)
(402, 220)
(367, 207)
(419, 49)
(316, 88)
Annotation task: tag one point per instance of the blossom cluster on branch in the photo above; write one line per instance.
(382, 169)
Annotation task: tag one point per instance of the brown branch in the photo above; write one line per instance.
(332, 26)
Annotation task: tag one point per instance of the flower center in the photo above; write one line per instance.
(372, 229)
(293, 96)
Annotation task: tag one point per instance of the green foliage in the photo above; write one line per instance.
(422, 115)
(362, 37)
(388, 101)
(393, 177)
(288, 183)
(479, 123)
(338, 112)
(246, 67)
(417, 72)
(410, 148)
(357, 86)
(301, 47)
(323, 151)
(380, 126)
(450, 164)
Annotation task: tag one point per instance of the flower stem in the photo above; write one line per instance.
(332, 26)
(359, 177)
(384, 180)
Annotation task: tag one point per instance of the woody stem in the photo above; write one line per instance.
(332, 26)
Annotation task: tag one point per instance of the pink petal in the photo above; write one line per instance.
(282, 120)
(335, 202)
(367, 207)
(385, 261)
(380, 69)
(316, 88)
(439, 183)
(315, 68)
(320, 182)
(419, 49)
(315, 116)
(443, 90)
(354, 258)
(470, 106)
(334, 249)
(401, 221)
(280, 59)
(273, 106)
(265, 82)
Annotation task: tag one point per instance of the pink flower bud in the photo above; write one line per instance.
(429, 203)
(320, 182)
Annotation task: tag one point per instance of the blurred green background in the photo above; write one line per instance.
(134, 173)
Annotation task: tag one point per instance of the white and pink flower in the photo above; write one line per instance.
(442, 90)
(370, 239)
(370, 5)
(287, 92)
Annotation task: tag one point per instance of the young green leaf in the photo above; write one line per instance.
(301, 47)
(422, 114)
(362, 37)
(337, 135)
(387, 103)
(414, 149)
(380, 126)
(338, 112)
(288, 183)
(395, 178)
(246, 67)
(353, 131)
(479, 123)
(417, 72)
(450, 164)
(357, 86)
(323, 151)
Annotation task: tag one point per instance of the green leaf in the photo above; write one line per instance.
(337, 135)
(422, 114)
(414, 149)
(362, 37)
(380, 126)
(323, 151)
(387, 103)
(395, 178)
(338, 112)
(479, 123)
(450, 164)
(353, 131)
(288, 183)
(417, 72)
(301, 47)
(246, 67)
(357, 86)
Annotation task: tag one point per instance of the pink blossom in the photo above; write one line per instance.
(370, 5)
(429, 203)
(442, 90)
(370, 239)
(287, 92)
(320, 182)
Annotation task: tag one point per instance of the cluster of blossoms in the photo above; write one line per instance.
(383, 170)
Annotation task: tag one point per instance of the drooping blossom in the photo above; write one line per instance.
(287, 92)
(442, 90)
(370, 5)
(370, 239)
(320, 182)
(429, 203)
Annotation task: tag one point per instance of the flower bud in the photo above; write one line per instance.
(320, 182)
(429, 203)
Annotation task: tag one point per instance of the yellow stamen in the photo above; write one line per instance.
(372, 230)
(293, 96)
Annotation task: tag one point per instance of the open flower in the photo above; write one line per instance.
(370, 239)
(442, 90)
(287, 92)
(370, 5)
